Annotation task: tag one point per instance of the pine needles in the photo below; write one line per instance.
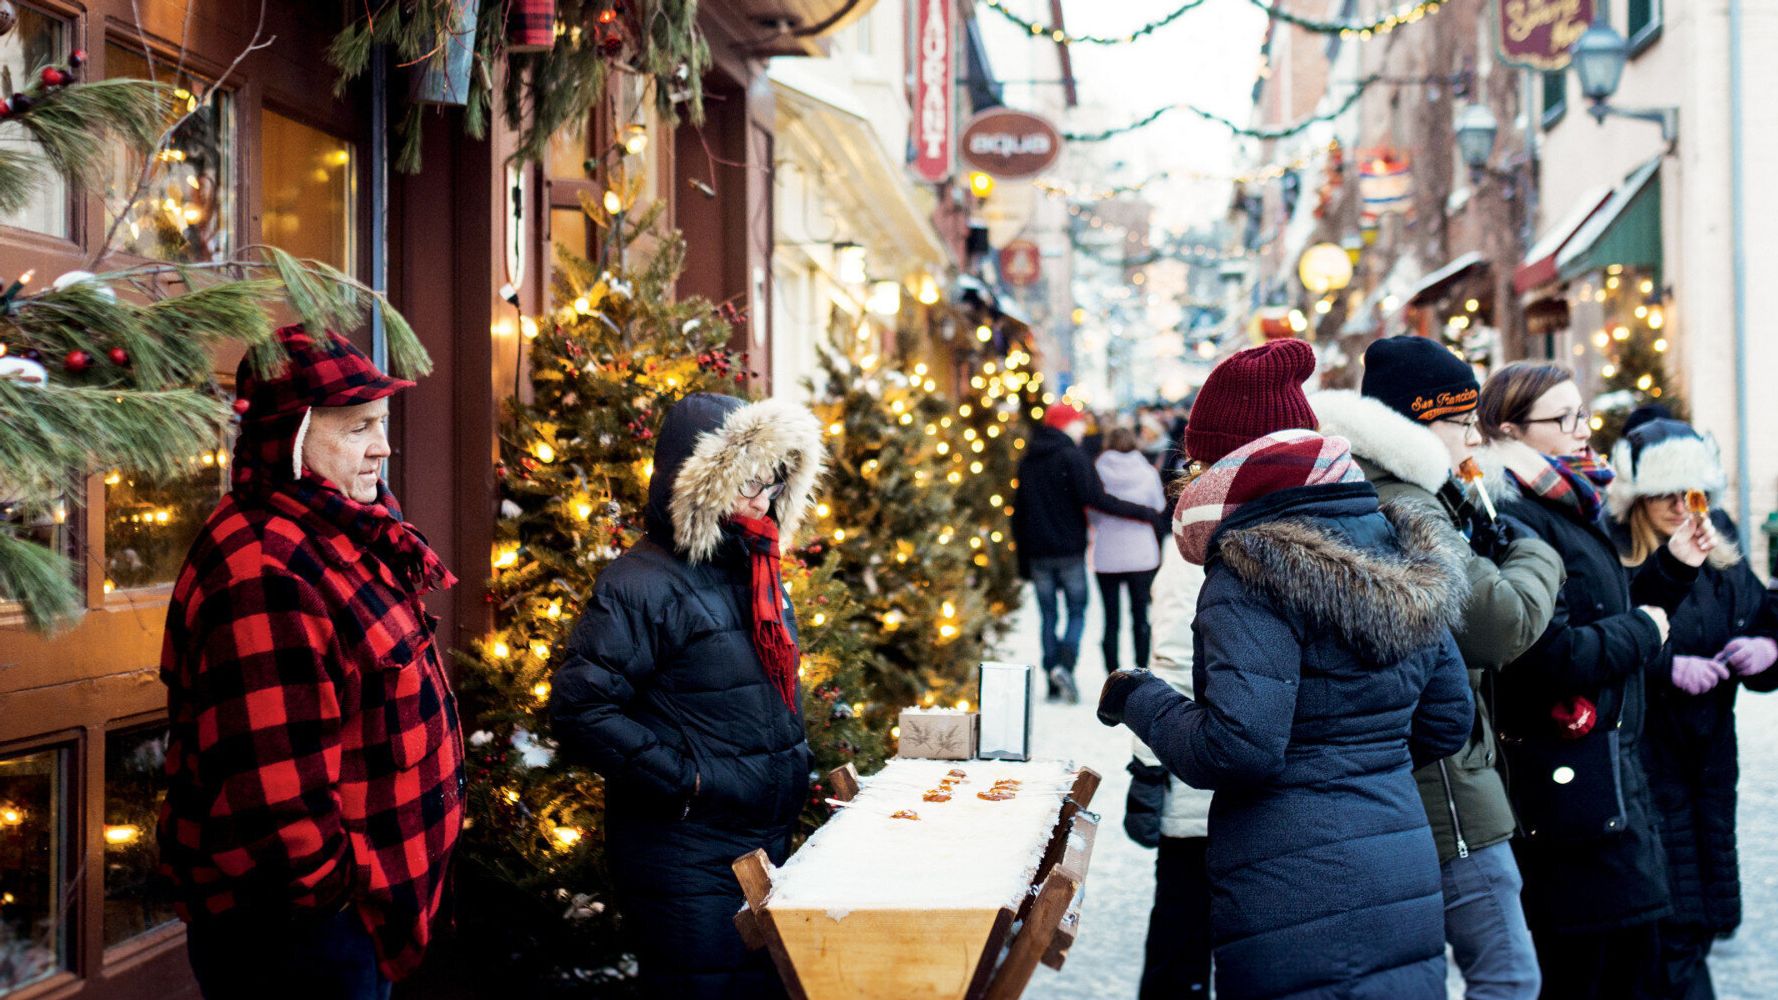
(38, 579)
(72, 124)
(52, 436)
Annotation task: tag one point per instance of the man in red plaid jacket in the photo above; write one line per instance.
(315, 763)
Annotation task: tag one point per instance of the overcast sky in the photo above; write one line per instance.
(1207, 57)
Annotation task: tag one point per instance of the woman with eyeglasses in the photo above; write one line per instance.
(680, 689)
(1722, 640)
(1412, 427)
(1570, 710)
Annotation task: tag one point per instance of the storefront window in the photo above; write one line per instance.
(137, 898)
(185, 210)
(150, 525)
(309, 187)
(33, 868)
(38, 39)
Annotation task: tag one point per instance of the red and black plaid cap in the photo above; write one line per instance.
(325, 370)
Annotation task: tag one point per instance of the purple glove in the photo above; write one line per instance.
(1749, 654)
(1696, 675)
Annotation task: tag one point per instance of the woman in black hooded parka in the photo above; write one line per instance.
(680, 689)
(1722, 639)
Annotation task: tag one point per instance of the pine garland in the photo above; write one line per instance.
(52, 436)
(73, 125)
(39, 578)
(543, 92)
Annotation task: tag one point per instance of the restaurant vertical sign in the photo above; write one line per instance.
(1538, 34)
(935, 91)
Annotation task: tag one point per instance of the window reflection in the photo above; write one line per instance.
(308, 187)
(33, 856)
(36, 40)
(137, 898)
(150, 524)
(186, 209)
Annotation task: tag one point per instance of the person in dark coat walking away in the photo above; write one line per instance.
(680, 688)
(1126, 553)
(1411, 429)
(314, 756)
(1569, 711)
(1057, 483)
(1325, 672)
(1722, 639)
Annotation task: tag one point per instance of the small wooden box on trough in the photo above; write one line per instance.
(937, 733)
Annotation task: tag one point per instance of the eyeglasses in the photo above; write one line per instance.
(752, 488)
(1567, 423)
(1469, 423)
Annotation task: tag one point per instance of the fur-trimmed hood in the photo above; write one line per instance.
(1387, 605)
(709, 447)
(1407, 450)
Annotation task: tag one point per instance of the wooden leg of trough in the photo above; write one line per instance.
(984, 969)
(754, 872)
(1032, 941)
(1075, 858)
(1086, 783)
(844, 782)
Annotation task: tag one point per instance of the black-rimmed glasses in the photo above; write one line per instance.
(1567, 423)
(752, 488)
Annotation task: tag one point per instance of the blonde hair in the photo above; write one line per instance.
(1646, 539)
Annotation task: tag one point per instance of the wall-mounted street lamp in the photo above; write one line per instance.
(1599, 57)
(1476, 130)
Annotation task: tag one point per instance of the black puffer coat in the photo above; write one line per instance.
(1324, 672)
(1057, 483)
(1597, 646)
(1689, 742)
(663, 694)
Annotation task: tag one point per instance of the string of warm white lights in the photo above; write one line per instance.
(1064, 37)
(1382, 24)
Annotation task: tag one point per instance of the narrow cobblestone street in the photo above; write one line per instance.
(1106, 963)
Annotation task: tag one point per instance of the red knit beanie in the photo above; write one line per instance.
(1061, 415)
(1250, 395)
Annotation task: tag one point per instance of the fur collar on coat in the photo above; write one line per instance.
(754, 440)
(1386, 604)
(1407, 450)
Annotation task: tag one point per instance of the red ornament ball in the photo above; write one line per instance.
(53, 77)
(77, 361)
(118, 356)
(77, 57)
(241, 406)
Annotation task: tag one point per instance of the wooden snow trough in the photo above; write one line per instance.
(970, 919)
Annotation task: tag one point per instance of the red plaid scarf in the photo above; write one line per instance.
(1575, 481)
(771, 639)
(1278, 461)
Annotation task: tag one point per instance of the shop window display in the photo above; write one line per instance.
(185, 211)
(34, 926)
(137, 898)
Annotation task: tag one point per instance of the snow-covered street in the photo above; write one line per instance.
(1106, 961)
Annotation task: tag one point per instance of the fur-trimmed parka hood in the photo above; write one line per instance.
(1386, 604)
(1407, 450)
(709, 447)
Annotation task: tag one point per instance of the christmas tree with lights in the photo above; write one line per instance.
(1634, 344)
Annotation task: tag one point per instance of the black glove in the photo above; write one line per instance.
(1145, 802)
(1163, 522)
(1117, 690)
(1490, 538)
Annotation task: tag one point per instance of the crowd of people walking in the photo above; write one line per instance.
(1451, 678)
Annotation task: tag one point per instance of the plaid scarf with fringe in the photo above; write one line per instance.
(1575, 481)
(1278, 461)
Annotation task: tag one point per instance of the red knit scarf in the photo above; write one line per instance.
(1278, 461)
(771, 639)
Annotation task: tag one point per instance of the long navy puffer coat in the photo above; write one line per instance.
(1689, 744)
(1325, 673)
(663, 694)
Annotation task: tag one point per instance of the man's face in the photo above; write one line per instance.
(346, 446)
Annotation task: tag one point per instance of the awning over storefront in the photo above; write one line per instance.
(1439, 281)
(875, 182)
(1626, 230)
(1539, 268)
